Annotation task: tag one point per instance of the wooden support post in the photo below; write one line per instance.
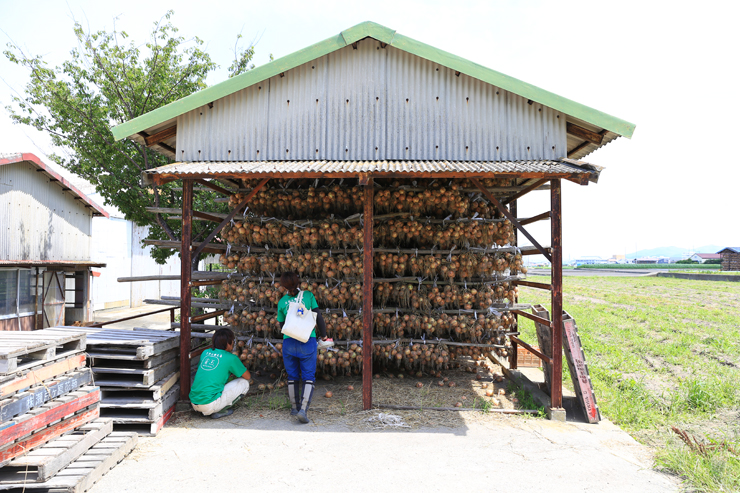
(556, 391)
(186, 254)
(367, 298)
(513, 357)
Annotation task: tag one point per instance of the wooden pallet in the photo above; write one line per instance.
(146, 429)
(131, 411)
(83, 473)
(22, 402)
(133, 378)
(10, 384)
(106, 360)
(44, 462)
(40, 425)
(155, 392)
(139, 343)
(23, 350)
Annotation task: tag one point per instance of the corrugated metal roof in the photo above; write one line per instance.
(542, 167)
(155, 118)
(50, 263)
(18, 157)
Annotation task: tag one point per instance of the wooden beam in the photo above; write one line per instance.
(228, 218)
(367, 297)
(534, 219)
(556, 381)
(533, 318)
(582, 146)
(186, 271)
(214, 187)
(160, 136)
(510, 217)
(584, 134)
(532, 350)
(531, 284)
(207, 316)
(524, 192)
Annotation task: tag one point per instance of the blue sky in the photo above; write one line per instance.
(669, 67)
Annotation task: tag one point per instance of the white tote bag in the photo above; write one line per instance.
(300, 321)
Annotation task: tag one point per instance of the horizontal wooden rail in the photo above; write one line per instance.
(534, 219)
(207, 316)
(101, 324)
(534, 318)
(531, 284)
(532, 350)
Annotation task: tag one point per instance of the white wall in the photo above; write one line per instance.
(117, 242)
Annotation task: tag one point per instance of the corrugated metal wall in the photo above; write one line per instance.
(371, 103)
(39, 221)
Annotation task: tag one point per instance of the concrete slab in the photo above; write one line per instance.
(494, 453)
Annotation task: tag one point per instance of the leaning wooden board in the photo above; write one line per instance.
(23, 350)
(83, 473)
(23, 402)
(44, 462)
(579, 369)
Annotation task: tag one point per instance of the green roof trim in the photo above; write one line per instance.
(390, 37)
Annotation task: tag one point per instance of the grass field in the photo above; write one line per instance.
(686, 267)
(664, 353)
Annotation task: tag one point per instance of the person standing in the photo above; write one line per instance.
(299, 358)
(210, 394)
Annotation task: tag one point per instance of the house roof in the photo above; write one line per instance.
(708, 256)
(65, 185)
(390, 37)
(730, 250)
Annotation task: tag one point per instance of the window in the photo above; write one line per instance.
(17, 293)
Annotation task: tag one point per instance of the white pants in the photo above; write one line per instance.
(232, 391)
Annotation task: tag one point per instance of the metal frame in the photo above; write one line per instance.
(554, 254)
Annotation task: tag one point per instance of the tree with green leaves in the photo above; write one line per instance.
(109, 80)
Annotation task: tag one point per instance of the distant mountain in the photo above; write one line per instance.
(673, 251)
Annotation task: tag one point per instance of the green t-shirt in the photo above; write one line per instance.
(309, 301)
(213, 373)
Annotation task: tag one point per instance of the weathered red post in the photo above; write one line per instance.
(556, 391)
(367, 296)
(185, 273)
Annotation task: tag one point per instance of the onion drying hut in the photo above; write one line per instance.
(387, 172)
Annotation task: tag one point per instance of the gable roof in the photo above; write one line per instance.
(65, 185)
(386, 36)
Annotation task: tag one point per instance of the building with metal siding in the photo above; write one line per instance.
(45, 246)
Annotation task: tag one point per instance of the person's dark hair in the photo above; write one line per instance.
(222, 338)
(290, 281)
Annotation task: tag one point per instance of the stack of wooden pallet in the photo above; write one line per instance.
(51, 435)
(137, 372)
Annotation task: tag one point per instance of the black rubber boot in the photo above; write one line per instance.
(308, 388)
(294, 395)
